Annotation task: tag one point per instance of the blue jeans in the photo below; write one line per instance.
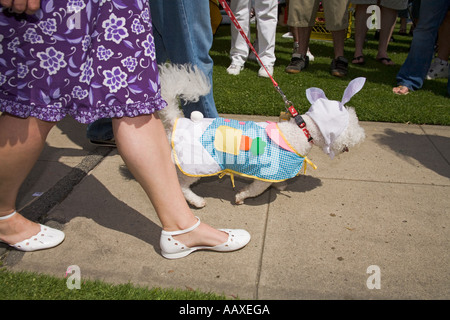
(100, 130)
(414, 70)
(183, 34)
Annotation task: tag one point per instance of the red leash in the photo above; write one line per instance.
(288, 104)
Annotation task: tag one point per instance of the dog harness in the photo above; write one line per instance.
(224, 146)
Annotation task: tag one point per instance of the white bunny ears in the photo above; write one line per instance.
(331, 116)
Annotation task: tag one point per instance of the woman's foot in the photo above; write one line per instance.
(386, 61)
(200, 236)
(25, 235)
(203, 235)
(17, 228)
(358, 60)
(400, 90)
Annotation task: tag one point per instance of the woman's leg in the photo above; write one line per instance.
(361, 17)
(143, 145)
(388, 19)
(21, 143)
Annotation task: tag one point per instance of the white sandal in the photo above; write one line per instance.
(174, 249)
(45, 239)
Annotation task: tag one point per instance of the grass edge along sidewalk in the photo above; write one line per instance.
(34, 286)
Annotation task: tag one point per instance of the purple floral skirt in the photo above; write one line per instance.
(89, 59)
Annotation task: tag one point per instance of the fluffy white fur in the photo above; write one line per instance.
(180, 82)
(188, 83)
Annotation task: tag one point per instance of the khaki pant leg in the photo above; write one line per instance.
(302, 13)
(336, 14)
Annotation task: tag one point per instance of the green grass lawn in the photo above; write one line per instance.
(249, 94)
(32, 286)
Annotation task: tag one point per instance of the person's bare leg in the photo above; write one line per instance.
(295, 36)
(388, 19)
(21, 143)
(338, 42)
(360, 32)
(443, 39)
(143, 145)
(301, 35)
(403, 26)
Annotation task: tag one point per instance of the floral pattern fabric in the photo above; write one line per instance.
(90, 59)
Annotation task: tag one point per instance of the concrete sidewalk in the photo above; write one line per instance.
(384, 204)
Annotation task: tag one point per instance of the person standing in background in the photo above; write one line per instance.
(266, 14)
(301, 19)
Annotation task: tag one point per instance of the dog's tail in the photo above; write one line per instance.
(184, 82)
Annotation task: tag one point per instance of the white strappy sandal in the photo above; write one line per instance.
(45, 239)
(174, 249)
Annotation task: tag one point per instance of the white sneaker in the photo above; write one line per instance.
(438, 69)
(263, 73)
(234, 69)
(310, 55)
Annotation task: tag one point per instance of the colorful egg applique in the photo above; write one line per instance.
(258, 146)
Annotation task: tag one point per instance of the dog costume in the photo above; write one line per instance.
(258, 150)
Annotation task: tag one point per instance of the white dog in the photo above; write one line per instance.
(268, 152)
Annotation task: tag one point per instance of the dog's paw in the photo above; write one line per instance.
(198, 203)
(239, 199)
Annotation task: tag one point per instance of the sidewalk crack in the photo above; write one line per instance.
(263, 245)
(38, 209)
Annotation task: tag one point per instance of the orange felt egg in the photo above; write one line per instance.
(246, 142)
